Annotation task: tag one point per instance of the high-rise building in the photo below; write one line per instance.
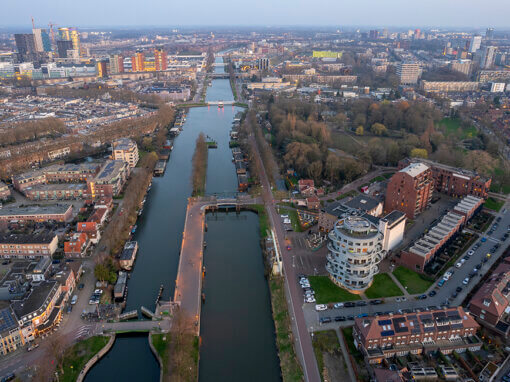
(488, 57)
(374, 34)
(408, 72)
(263, 63)
(462, 66)
(42, 40)
(116, 64)
(101, 69)
(160, 59)
(70, 34)
(489, 33)
(25, 44)
(417, 34)
(138, 62)
(354, 252)
(475, 43)
(63, 46)
(410, 190)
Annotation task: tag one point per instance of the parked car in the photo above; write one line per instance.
(324, 320)
(422, 297)
(470, 252)
(80, 287)
(338, 305)
(349, 304)
(74, 299)
(465, 281)
(339, 318)
(441, 282)
(432, 293)
(321, 307)
(361, 303)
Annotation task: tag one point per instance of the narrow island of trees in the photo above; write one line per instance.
(199, 166)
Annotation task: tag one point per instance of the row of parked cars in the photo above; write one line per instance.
(327, 319)
(308, 292)
(349, 304)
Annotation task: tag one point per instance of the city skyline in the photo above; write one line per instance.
(393, 13)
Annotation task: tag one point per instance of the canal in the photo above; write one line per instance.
(237, 329)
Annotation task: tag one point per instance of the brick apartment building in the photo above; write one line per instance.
(453, 181)
(110, 179)
(33, 213)
(423, 250)
(23, 245)
(446, 330)
(410, 190)
(59, 191)
(490, 303)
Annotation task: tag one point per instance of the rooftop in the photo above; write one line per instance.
(362, 202)
(415, 169)
(37, 299)
(53, 209)
(38, 238)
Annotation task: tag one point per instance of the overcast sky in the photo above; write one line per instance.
(419, 13)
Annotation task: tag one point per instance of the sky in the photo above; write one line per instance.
(338, 13)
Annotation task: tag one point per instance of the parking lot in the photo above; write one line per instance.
(451, 292)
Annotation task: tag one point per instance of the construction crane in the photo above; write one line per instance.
(51, 25)
(33, 23)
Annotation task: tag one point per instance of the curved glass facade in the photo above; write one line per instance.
(355, 250)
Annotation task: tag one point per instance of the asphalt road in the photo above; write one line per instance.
(294, 295)
(444, 293)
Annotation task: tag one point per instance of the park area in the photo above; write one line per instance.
(383, 286)
(78, 355)
(412, 281)
(453, 126)
(327, 292)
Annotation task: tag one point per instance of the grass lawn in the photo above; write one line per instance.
(263, 221)
(78, 355)
(414, 282)
(388, 175)
(161, 343)
(452, 126)
(379, 178)
(383, 286)
(493, 204)
(327, 292)
(323, 342)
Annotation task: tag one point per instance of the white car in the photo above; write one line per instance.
(98, 291)
(471, 252)
(465, 281)
(321, 307)
(338, 305)
(458, 265)
(310, 299)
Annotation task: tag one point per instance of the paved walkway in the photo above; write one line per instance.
(399, 284)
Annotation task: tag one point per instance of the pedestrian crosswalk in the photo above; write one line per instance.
(83, 331)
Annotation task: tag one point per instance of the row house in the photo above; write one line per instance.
(77, 245)
(58, 212)
(491, 302)
(28, 246)
(59, 191)
(423, 250)
(444, 330)
(11, 336)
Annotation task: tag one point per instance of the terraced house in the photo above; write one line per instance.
(446, 330)
(23, 245)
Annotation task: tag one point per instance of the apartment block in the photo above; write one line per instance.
(110, 180)
(11, 336)
(23, 245)
(125, 149)
(408, 73)
(449, 86)
(410, 190)
(454, 181)
(33, 213)
(5, 193)
(447, 330)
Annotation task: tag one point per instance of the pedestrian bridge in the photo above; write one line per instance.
(163, 325)
(212, 103)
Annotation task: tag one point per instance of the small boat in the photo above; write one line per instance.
(134, 229)
(140, 212)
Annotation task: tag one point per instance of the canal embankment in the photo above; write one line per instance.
(96, 358)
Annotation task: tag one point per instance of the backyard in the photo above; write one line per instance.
(327, 292)
(493, 204)
(412, 281)
(383, 286)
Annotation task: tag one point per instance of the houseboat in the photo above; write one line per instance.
(128, 255)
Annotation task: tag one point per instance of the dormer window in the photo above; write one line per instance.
(486, 302)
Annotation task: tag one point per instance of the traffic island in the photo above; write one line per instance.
(290, 367)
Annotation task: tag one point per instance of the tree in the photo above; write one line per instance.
(378, 129)
(359, 130)
(315, 170)
(419, 153)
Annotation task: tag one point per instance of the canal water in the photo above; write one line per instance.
(231, 345)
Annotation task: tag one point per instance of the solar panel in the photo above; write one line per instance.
(384, 322)
(439, 314)
(429, 329)
(411, 317)
(456, 326)
(387, 333)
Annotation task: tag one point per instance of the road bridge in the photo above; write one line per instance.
(212, 103)
(135, 326)
(218, 75)
(188, 285)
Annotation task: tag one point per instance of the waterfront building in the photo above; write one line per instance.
(110, 179)
(125, 149)
(385, 336)
(128, 255)
(354, 252)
